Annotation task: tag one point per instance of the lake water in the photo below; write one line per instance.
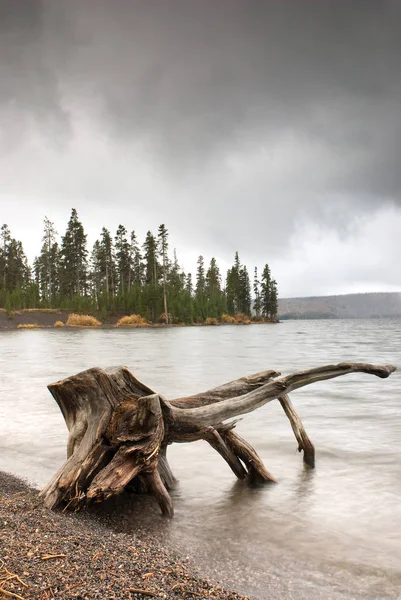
(333, 532)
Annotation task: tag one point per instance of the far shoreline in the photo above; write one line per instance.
(33, 319)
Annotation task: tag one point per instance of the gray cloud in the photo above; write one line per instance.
(195, 79)
(29, 93)
(270, 113)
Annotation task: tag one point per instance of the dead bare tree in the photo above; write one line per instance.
(119, 429)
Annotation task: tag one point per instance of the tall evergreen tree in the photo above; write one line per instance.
(95, 273)
(187, 313)
(163, 247)
(152, 274)
(47, 264)
(230, 291)
(238, 289)
(200, 299)
(5, 240)
(189, 288)
(273, 299)
(152, 268)
(176, 288)
(137, 269)
(244, 291)
(107, 267)
(257, 303)
(266, 292)
(213, 292)
(18, 271)
(73, 259)
(15, 274)
(123, 260)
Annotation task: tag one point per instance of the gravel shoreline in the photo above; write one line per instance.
(48, 555)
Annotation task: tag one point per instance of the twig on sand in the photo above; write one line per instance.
(12, 576)
(9, 577)
(51, 556)
(144, 592)
(10, 594)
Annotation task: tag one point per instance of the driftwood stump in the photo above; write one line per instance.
(119, 429)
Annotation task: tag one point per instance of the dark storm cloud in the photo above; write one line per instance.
(29, 94)
(192, 80)
(195, 79)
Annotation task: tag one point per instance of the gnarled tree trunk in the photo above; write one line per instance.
(119, 429)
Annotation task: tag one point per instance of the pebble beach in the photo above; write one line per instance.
(61, 555)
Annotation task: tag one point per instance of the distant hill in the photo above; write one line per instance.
(352, 306)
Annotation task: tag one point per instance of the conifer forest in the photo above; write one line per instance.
(122, 275)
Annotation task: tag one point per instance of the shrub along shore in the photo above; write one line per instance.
(32, 318)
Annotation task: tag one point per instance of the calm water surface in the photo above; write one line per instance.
(334, 532)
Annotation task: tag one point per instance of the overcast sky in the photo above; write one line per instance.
(271, 128)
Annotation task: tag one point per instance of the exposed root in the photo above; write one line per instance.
(217, 442)
(257, 472)
(304, 443)
(157, 488)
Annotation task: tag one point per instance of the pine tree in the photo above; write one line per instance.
(123, 259)
(213, 293)
(257, 304)
(244, 291)
(107, 267)
(273, 299)
(201, 312)
(95, 273)
(5, 240)
(230, 291)
(189, 288)
(266, 292)
(152, 274)
(73, 262)
(16, 287)
(237, 284)
(150, 256)
(163, 247)
(136, 275)
(176, 286)
(18, 271)
(47, 264)
(186, 307)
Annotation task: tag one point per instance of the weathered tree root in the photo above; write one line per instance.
(304, 443)
(119, 430)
